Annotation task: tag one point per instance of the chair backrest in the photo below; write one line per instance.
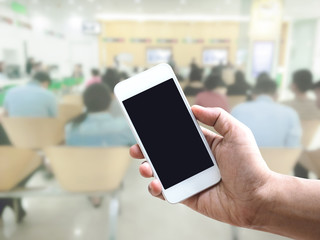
(281, 160)
(15, 165)
(236, 100)
(85, 169)
(309, 128)
(75, 99)
(66, 112)
(34, 133)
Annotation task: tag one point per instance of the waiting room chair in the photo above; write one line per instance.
(73, 99)
(281, 160)
(15, 165)
(66, 112)
(236, 100)
(89, 169)
(309, 130)
(34, 133)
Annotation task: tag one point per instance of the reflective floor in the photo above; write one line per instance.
(142, 217)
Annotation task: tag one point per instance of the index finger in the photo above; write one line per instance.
(135, 152)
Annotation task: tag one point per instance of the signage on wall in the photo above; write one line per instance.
(219, 41)
(158, 55)
(215, 56)
(91, 28)
(113, 40)
(141, 40)
(193, 40)
(167, 40)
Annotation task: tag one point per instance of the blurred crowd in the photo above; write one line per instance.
(101, 123)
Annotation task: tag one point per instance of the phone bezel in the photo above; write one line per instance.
(142, 82)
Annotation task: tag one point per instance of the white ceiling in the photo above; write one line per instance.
(88, 9)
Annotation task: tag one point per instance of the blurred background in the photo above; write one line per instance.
(65, 171)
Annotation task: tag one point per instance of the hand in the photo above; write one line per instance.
(237, 198)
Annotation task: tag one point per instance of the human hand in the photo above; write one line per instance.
(237, 198)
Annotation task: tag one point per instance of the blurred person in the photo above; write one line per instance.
(29, 65)
(210, 97)
(31, 100)
(305, 107)
(77, 71)
(249, 195)
(273, 124)
(36, 67)
(263, 76)
(96, 126)
(123, 75)
(195, 84)
(172, 62)
(3, 76)
(95, 77)
(111, 77)
(309, 159)
(240, 86)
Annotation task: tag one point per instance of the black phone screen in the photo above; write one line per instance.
(168, 133)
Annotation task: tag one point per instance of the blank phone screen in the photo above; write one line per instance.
(168, 133)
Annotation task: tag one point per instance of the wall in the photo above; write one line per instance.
(183, 52)
(302, 46)
(72, 48)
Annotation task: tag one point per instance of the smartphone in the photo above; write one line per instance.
(167, 132)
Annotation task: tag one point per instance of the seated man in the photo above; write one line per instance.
(309, 160)
(31, 100)
(273, 124)
(305, 107)
(97, 127)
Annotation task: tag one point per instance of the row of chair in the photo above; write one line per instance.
(77, 169)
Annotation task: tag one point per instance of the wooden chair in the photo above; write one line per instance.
(87, 169)
(236, 100)
(34, 133)
(309, 128)
(15, 165)
(73, 99)
(281, 160)
(66, 112)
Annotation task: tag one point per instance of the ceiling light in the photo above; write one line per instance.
(71, 2)
(137, 1)
(182, 2)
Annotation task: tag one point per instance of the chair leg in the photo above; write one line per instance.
(113, 215)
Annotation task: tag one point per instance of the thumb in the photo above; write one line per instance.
(218, 118)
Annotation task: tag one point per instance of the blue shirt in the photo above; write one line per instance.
(100, 129)
(30, 100)
(272, 124)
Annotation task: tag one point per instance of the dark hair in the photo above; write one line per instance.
(123, 75)
(265, 86)
(303, 80)
(95, 72)
(316, 85)
(217, 70)
(111, 78)
(96, 98)
(239, 77)
(42, 77)
(263, 76)
(213, 81)
(195, 74)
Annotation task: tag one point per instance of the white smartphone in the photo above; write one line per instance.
(168, 133)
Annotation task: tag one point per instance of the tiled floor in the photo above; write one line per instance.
(142, 217)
